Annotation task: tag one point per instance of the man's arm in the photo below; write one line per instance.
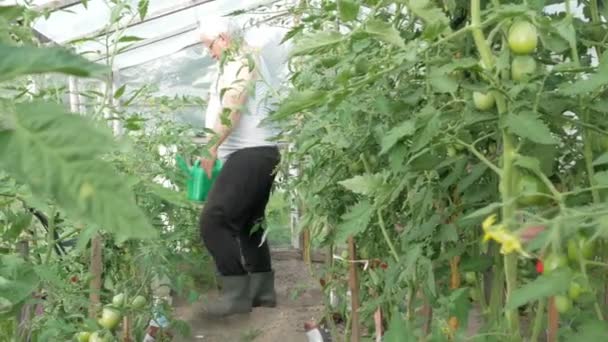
(232, 102)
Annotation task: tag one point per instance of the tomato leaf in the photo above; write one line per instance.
(430, 131)
(428, 12)
(485, 211)
(317, 43)
(126, 39)
(59, 156)
(26, 60)
(476, 172)
(355, 220)
(591, 83)
(120, 91)
(529, 126)
(529, 163)
(398, 330)
(142, 8)
(385, 32)
(299, 101)
(348, 9)
(565, 29)
(404, 129)
(601, 160)
(10, 13)
(601, 178)
(589, 330)
(442, 82)
(542, 287)
(363, 185)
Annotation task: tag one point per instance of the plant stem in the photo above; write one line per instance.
(386, 237)
(506, 184)
(50, 237)
(538, 320)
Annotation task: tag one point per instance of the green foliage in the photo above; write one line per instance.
(394, 152)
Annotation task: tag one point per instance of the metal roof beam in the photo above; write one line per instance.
(56, 5)
(156, 39)
(152, 16)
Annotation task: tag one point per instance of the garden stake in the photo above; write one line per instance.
(354, 290)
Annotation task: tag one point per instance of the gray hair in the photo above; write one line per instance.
(212, 27)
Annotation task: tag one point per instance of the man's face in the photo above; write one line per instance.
(216, 45)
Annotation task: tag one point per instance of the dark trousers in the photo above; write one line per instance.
(236, 203)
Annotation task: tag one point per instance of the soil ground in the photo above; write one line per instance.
(299, 300)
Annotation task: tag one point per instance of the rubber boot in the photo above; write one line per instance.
(262, 290)
(234, 298)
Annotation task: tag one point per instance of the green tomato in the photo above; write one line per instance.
(470, 277)
(100, 337)
(563, 304)
(110, 318)
(580, 245)
(83, 336)
(553, 262)
(451, 151)
(523, 37)
(138, 302)
(522, 66)
(483, 101)
(575, 290)
(530, 189)
(119, 300)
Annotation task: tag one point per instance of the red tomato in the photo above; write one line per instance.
(540, 268)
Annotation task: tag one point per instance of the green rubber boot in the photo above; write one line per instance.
(234, 298)
(262, 290)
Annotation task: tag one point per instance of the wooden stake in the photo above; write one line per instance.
(126, 329)
(25, 315)
(354, 291)
(378, 324)
(427, 313)
(553, 321)
(96, 269)
(454, 284)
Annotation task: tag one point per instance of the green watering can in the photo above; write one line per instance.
(198, 183)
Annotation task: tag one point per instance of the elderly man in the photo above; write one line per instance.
(231, 219)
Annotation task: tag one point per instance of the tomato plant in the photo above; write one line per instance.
(504, 80)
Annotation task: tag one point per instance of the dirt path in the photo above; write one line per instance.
(299, 298)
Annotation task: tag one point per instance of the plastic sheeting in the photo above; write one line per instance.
(161, 36)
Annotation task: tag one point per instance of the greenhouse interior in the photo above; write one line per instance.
(425, 170)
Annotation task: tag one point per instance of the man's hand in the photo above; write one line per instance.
(208, 163)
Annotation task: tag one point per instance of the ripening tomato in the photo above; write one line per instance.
(83, 336)
(522, 66)
(540, 267)
(110, 318)
(531, 190)
(523, 37)
(483, 101)
(563, 304)
(575, 290)
(470, 277)
(553, 262)
(119, 300)
(580, 245)
(138, 302)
